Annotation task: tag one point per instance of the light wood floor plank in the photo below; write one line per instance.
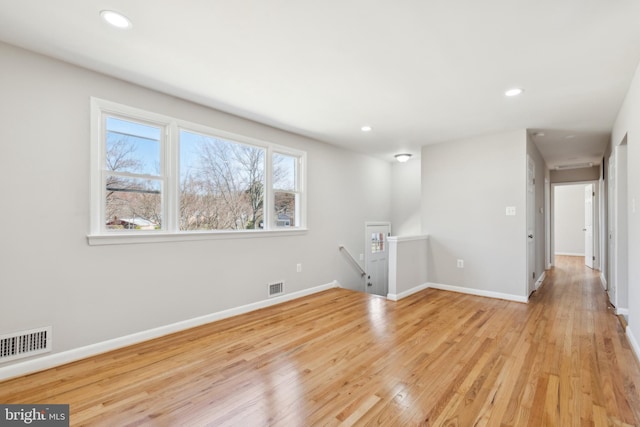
(343, 358)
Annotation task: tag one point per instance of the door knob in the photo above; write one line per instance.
(530, 236)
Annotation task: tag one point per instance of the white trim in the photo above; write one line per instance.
(622, 311)
(633, 342)
(569, 254)
(603, 280)
(479, 292)
(407, 238)
(157, 237)
(57, 359)
(398, 297)
(540, 280)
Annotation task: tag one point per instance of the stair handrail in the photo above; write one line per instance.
(353, 260)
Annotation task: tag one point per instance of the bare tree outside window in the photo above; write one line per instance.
(285, 190)
(133, 197)
(221, 184)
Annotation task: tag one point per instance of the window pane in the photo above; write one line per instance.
(284, 172)
(221, 184)
(133, 204)
(285, 204)
(377, 242)
(132, 147)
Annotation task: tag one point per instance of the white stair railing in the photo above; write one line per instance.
(353, 261)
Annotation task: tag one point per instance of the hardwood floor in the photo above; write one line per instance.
(346, 358)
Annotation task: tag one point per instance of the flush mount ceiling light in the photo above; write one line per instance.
(514, 92)
(366, 128)
(116, 19)
(403, 157)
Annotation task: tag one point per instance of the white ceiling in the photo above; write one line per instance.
(418, 71)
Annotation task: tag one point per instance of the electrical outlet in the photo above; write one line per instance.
(298, 268)
(460, 263)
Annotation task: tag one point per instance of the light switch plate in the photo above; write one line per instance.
(511, 210)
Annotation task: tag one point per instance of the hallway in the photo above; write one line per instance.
(588, 369)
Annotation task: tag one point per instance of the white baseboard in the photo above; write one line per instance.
(622, 311)
(568, 254)
(633, 342)
(540, 280)
(479, 292)
(603, 280)
(397, 297)
(52, 360)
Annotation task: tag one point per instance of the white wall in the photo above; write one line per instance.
(49, 275)
(405, 198)
(466, 186)
(628, 123)
(407, 265)
(569, 219)
(576, 175)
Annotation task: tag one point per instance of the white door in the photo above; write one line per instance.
(611, 280)
(377, 258)
(588, 225)
(531, 221)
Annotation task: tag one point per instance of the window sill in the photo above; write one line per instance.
(152, 237)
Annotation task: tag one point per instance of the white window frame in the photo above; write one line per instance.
(170, 161)
(298, 191)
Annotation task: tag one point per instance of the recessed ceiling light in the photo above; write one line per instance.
(366, 128)
(116, 19)
(540, 134)
(514, 92)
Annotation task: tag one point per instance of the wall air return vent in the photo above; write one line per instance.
(275, 289)
(25, 344)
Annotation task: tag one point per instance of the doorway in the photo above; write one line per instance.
(575, 228)
(377, 257)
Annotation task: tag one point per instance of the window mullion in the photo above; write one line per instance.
(134, 175)
(171, 163)
(268, 203)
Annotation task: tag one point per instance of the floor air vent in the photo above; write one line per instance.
(275, 289)
(25, 344)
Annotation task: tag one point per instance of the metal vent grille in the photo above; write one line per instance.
(275, 288)
(25, 344)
